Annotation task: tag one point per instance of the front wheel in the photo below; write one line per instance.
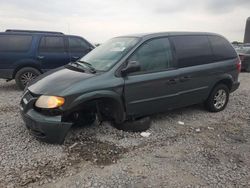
(218, 99)
(25, 75)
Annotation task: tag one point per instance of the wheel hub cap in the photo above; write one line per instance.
(220, 99)
(27, 77)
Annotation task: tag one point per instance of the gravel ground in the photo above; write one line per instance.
(210, 149)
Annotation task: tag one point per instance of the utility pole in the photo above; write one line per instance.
(247, 32)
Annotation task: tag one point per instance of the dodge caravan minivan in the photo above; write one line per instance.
(129, 78)
(26, 54)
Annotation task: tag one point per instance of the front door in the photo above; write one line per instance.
(154, 88)
(52, 52)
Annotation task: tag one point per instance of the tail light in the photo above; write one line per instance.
(238, 64)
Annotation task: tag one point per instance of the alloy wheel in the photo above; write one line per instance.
(220, 99)
(27, 77)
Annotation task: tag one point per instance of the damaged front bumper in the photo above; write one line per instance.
(49, 129)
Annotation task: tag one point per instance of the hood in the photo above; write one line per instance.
(56, 81)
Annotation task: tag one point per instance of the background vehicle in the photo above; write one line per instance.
(131, 77)
(26, 54)
(244, 53)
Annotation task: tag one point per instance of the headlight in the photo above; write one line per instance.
(49, 102)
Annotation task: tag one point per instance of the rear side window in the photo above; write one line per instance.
(154, 55)
(51, 44)
(222, 49)
(192, 50)
(15, 43)
(77, 44)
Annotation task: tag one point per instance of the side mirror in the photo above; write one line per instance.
(132, 66)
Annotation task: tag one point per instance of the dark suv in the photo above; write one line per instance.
(244, 54)
(26, 54)
(131, 77)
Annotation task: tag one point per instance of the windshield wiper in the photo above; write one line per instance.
(76, 65)
(82, 66)
(92, 69)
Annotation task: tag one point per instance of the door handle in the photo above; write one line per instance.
(40, 57)
(75, 57)
(171, 82)
(185, 78)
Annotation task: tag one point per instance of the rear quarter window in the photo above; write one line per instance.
(222, 49)
(15, 43)
(51, 44)
(77, 44)
(192, 50)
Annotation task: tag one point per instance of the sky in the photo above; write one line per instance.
(99, 20)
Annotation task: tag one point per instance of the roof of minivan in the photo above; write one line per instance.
(160, 34)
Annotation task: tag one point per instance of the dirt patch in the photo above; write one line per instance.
(77, 151)
(97, 152)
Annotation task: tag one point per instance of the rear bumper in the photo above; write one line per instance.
(235, 86)
(46, 128)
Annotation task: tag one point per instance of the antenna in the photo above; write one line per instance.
(68, 28)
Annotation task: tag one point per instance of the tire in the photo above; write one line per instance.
(138, 125)
(218, 99)
(25, 75)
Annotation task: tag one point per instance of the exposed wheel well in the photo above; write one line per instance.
(106, 109)
(25, 66)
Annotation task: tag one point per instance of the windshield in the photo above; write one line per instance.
(108, 54)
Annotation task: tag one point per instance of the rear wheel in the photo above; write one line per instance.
(218, 99)
(25, 75)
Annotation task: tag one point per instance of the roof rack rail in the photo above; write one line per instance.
(32, 31)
